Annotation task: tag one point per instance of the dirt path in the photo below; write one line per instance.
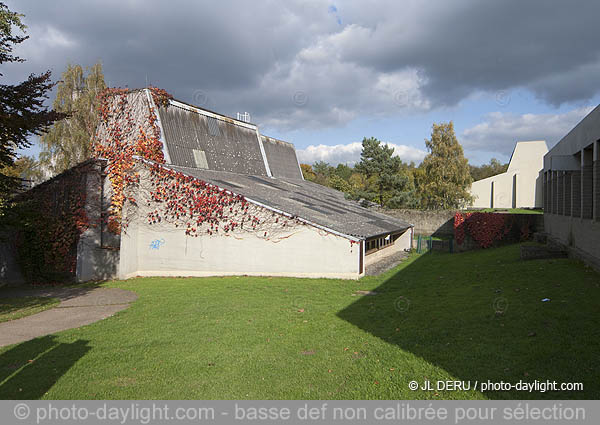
(78, 307)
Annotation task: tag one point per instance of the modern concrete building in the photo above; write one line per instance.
(571, 178)
(520, 186)
(306, 230)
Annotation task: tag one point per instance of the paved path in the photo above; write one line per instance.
(78, 307)
(386, 263)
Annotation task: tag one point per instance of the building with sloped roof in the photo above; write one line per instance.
(274, 223)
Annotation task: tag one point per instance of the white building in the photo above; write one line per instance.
(304, 230)
(572, 191)
(521, 186)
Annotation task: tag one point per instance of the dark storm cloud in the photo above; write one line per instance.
(317, 63)
(462, 46)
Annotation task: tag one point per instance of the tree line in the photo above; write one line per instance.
(441, 181)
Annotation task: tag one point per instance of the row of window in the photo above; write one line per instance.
(379, 243)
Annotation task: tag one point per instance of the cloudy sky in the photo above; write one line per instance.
(325, 74)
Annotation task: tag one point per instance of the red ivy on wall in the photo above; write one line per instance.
(49, 241)
(173, 197)
(52, 218)
(193, 203)
(485, 228)
(117, 116)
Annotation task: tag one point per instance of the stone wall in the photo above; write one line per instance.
(429, 223)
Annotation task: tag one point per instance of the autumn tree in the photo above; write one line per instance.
(22, 110)
(307, 172)
(445, 178)
(25, 169)
(377, 162)
(338, 183)
(484, 171)
(69, 141)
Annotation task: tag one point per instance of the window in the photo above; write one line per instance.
(376, 244)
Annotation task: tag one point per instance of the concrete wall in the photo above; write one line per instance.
(581, 237)
(97, 250)
(581, 136)
(297, 249)
(437, 223)
(572, 190)
(494, 192)
(521, 186)
(163, 251)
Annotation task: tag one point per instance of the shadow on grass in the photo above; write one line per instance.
(10, 306)
(64, 293)
(30, 369)
(479, 316)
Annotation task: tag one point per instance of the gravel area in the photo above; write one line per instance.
(386, 264)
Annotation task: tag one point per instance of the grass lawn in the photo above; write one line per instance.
(434, 317)
(15, 308)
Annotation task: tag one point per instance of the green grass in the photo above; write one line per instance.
(16, 308)
(434, 317)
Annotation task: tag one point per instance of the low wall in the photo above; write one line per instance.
(579, 236)
(426, 222)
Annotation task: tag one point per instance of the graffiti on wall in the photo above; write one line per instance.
(157, 243)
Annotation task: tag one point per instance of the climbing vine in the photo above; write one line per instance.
(169, 196)
(120, 125)
(53, 216)
(50, 219)
(488, 228)
(130, 136)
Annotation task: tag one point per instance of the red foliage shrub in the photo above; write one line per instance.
(487, 228)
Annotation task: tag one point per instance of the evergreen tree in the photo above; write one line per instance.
(323, 172)
(69, 141)
(343, 171)
(22, 110)
(446, 178)
(377, 161)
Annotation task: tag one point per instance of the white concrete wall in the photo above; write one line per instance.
(94, 261)
(289, 248)
(581, 136)
(308, 252)
(521, 186)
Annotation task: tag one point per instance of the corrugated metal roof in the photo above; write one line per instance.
(310, 201)
(227, 145)
(281, 157)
